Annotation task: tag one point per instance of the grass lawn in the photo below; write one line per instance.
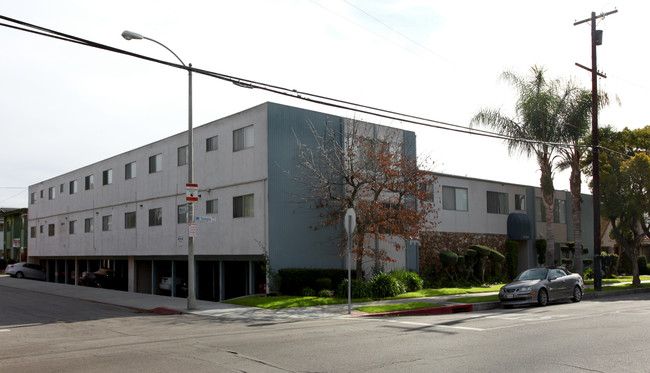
(618, 287)
(478, 299)
(398, 307)
(618, 280)
(447, 291)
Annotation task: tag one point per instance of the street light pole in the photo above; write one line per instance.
(191, 297)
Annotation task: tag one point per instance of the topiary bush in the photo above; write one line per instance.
(325, 293)
(512, 258)
(384, 285)
(360, 289)
(324, 283)
(308, 292)
(293, 280)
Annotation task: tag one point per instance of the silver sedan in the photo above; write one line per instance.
(542, 285)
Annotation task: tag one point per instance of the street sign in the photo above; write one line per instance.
(16, 242)
(205, 219)
(179, 241)
(192, 192)
(350, 221)
(192, 229)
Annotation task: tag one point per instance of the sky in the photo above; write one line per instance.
(64, 106)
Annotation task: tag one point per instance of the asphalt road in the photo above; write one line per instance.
(44, 333)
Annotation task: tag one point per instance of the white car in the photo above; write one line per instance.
(26, 270)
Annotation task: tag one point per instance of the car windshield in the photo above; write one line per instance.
(532, 274)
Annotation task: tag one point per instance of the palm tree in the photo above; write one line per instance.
(536, 127)
(576, 127)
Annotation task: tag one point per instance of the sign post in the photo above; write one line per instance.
(350, 223)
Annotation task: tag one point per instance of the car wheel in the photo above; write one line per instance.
(577, 294)
(542, 297)
(19, 275)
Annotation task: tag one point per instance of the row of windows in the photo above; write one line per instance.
(454, 198)
(243, 206)
(242, 138)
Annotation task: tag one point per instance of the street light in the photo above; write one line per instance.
(191, 299)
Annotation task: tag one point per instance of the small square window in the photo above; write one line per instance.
(32, 198)
(107, 177)
(88, 225)
(155, 217)
(89, 182)
(73, 187)
(51, 193)
(182, 214)
(50, 230)
(129, 171)
(61, 188)
(71, 226)
(243, 206)
(107, 223)
(242, 138)
(212, 206)
(129, 220)
(182, 155)
(520, 202)
(211, 144)
(32, 232)
(155, 163)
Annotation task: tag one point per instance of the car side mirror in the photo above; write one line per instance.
(552, 279)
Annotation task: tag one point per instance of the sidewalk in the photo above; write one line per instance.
(169, 305)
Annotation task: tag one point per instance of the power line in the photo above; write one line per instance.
(301, 95)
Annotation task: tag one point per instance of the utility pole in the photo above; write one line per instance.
(596, 40)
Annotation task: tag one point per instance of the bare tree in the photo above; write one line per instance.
(369, 168)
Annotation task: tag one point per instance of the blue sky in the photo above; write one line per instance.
(63, 106)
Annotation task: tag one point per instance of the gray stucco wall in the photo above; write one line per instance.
(292, 243)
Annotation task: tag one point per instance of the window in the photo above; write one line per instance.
(155, 163)
(89, 182)
(40, 229)
(50, 230)
(242, 206)
(212, 206)
(559, 212)
(51, 193)
(107, 177)
(520, 202)
(73, 187)
(61, 188)
(242, 138)
(32, 198)
(427, 188)
(107, 223)
(155, 217)
(211, 144)
(497, 203)
(454, 198)
(540, 210)
(32, 232)
(88, 225)
(71, 226)
(41, 194)
(182, 214)
(182, 155)
(129, 171)
(129, 220)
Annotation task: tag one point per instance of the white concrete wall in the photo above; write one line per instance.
(221, 174)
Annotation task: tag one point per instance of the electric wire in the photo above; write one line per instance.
(305, 96)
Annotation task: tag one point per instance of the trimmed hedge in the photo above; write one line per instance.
(293, 280)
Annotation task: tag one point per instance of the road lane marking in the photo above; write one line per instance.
(4, 330)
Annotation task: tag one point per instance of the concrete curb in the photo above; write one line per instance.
(440, 310)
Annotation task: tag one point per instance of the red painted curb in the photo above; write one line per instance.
(165, 311)
(442, 310)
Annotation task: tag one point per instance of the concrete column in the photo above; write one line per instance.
(131, 275)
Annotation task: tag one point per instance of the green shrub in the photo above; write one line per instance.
(587, 263)
(308, 292)
(410, 280)
(384, 285)
(448, 258)
(324, 283)
(293, 280)
(609, 263)
(588, 274)
(325, 293)
(360, 289)
(643, 265)
(567, 262)
(512, 258)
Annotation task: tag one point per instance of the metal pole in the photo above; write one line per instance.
(349, 265)
(191, 297)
